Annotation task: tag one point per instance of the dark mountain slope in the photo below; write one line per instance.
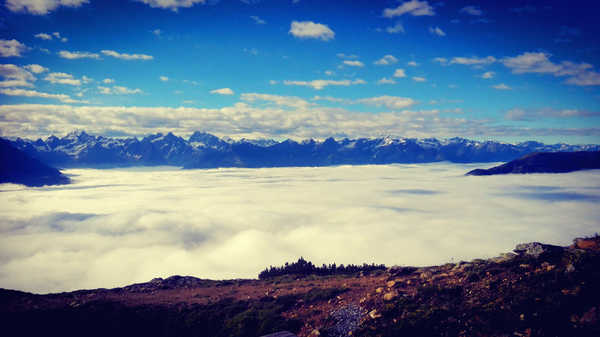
(546, 162)
(18, 168)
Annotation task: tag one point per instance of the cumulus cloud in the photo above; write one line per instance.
(386, 80)
(118, 90)
(311, 30)
(258, 20)
(441, 60)
(354, 63)
(289, 101)
(43, 36)
(391, 102)
(62, 78)
(35, 68)
(108, 81)
(41, 7)
(74, 55)
(419, 79)
(320, 84)
(33, 93)
(386, 60)
(399, 73)
(436, 31)
(15, 76)
(531, 62)
(222, 91)
(471, 10)
(412, 7)
(163, 78)
(12, 48)
(501, 86)
(412, 64)
(473, 61)
(346, 56)
(488, 75)
(395, 29)
(128, 57)
(157, 223)
(173, 5)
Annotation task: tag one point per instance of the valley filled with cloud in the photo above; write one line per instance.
(115, 227)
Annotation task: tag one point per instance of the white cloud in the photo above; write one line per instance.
(35, 68)
(386, 60)
(86, 79)
(436, 31)
(488, 74)
(501, 86)
(441, 60)
(354, 63)
(311, 30)
(59, 37)
(391, 102)
(12, 48)
(419, 79)
(128, 57)
(412, 64)
(518, 114)
(43, 36)
(74, 55)
(15, 76)
(108, 81)
(32, 93)
(157, 32)
(222, 91)
(258, 20)
(328, 72)
(530, 62)
(386, 80)
(412, 7)
(173, 5)
(62, 78)
(346, 56)
(118, 90)
(399, 73)
(164, 78)
(320, 84)
(395, 29)
(473, 61)
(41, 7)
(471, 10)
(289, 101)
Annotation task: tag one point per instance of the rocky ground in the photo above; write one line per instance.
(540, 290)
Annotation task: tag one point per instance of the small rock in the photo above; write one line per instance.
(535, 249)
(379, 290)
(373, 314)
(390, 284)
(390, 296)
(315, 332)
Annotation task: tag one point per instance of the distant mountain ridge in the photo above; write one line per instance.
(545, 162)
(203, 150)
(19, 168)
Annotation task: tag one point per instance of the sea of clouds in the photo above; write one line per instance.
(115, 227)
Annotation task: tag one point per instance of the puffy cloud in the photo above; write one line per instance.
(289, 101)
(531, 62)
(386, 80)
(41, 7)
(488, 74)
(62, 78)
(118, 90)
(391, 102)
(473, 61)
(258, 20)
(15, 76)
(128, 57)
(501, 86)
(320, 84)
(74, 55)
(33, 93)
(35, 68)
(311, 30)
(412, 64)
(386, 60)
(163, 78)
(412, 7)
(436, 31)
(419, 79)
(354, 63)
(222, 91)
(43, 36)
(395, 29)
(108, 81)
(399, 73)
(173, 5)
(12, 48)
(471, 10)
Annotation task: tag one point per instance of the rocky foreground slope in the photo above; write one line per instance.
(546, 162)
(540, 290)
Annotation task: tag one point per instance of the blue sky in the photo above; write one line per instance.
(508, 71)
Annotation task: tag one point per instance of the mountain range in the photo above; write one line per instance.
(546, 162)
(204, 150)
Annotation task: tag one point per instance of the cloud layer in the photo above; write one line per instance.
(116, 227)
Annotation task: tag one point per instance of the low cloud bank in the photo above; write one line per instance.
(116, 227)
